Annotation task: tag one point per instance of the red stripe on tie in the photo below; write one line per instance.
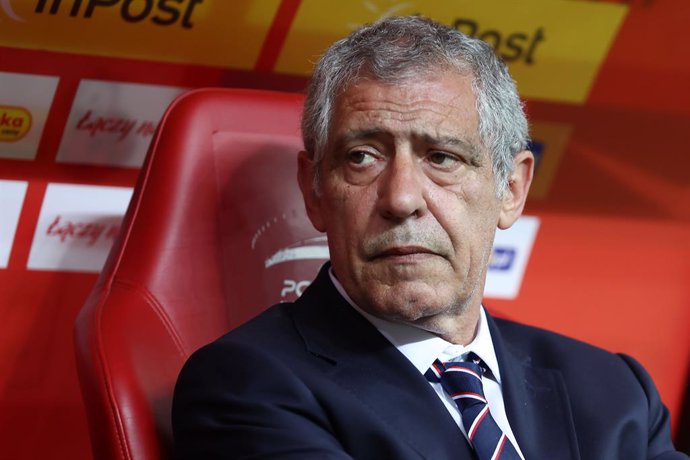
(473, 429)
(463, 369)
(499, 449)
(437, 371)
(468, 394)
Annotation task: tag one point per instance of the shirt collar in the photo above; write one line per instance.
(422, 347)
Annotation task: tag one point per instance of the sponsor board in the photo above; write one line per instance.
(206, 32)
(113, 123)
(12, 198)
(511, 251)
(311, 250)
(77, 226)
(25, 101)
(554, 48)
(549, 141)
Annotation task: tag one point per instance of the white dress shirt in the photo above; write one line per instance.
(422, 348)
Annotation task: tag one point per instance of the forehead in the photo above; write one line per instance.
(443, 104)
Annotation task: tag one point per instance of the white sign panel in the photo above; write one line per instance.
(113, 123)
(25, 101)
(77, 226)
(11, 200)
(511, 252)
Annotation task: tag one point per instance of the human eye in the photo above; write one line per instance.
(362, 165)
(360, 158)
(444, 160)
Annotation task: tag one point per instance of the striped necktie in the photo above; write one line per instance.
(463, 382)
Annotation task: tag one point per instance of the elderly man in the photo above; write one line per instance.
(416, 151)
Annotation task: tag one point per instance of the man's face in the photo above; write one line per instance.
(407, 198)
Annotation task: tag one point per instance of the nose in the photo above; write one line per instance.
(401, 189)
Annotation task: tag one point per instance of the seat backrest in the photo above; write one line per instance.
(216, 231)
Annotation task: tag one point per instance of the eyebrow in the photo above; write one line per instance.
(468, 147)
(471, 149)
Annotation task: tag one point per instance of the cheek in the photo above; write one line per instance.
(480, 199)
(353, 204)
(334, 200)
(469, 214)
(346, 212)
(457, 207)
(472, 188)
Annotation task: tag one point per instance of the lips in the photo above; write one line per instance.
(404, 251)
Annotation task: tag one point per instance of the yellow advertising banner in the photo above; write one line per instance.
(221, 33)
(554, 48)
(549, 141)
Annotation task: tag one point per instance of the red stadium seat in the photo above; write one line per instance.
(216, 231)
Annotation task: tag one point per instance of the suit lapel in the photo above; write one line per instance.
(536, 401)
(376, 373)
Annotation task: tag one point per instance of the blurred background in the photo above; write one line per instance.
(603, 253)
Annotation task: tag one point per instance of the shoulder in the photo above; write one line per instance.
(266, 348)
(595, 380)
(269, 331)
(530, 342)
(581, 364)
(584, 367)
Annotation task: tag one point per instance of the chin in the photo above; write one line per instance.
(404, 304)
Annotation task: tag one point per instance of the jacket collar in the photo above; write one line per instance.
(535, 397)
(372, 369)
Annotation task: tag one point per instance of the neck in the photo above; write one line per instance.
(459, 327)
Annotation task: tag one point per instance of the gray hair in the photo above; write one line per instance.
(397, 49)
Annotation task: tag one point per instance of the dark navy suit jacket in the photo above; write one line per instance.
(315, 380)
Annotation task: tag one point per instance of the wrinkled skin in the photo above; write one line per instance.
(408, 200)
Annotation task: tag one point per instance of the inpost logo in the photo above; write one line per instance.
(159, 12)
(511, 46)
(15, 122)
(535, 37)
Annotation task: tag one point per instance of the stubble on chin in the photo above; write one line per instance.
(409, 301)
(454, 319)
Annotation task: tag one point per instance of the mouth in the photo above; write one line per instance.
(405, 253)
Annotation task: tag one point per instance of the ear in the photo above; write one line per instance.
(306, 171)
(518, 186)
